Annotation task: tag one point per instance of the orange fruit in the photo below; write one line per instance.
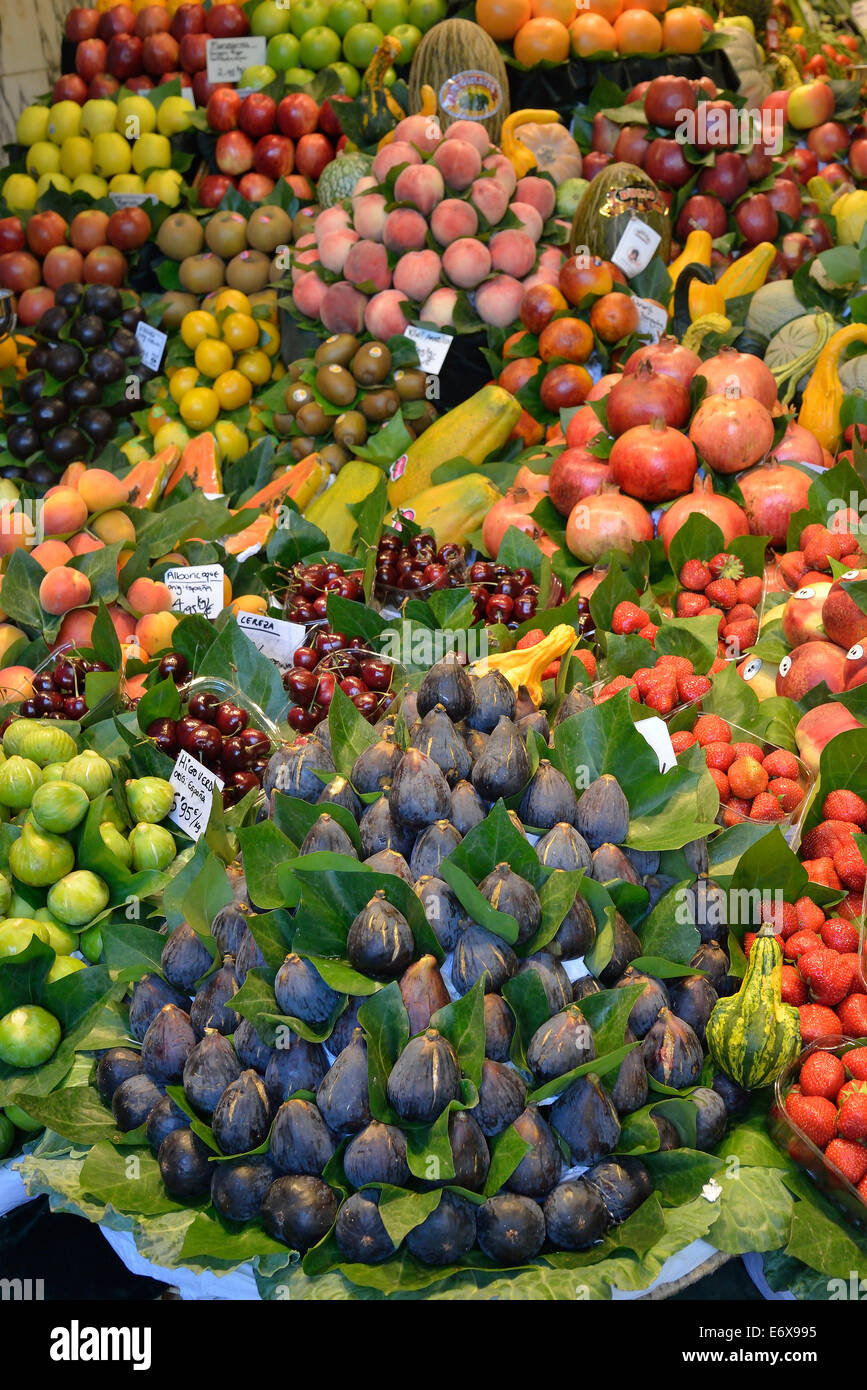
(638, 31)
(212, 356)
(240, 331)
(609, 9)
(199, 407)
(232, 390)
(682, 31)
(542, 41)
(256, 366)
(564, 10)
(502, 18)
(653, 6)
(590, 33)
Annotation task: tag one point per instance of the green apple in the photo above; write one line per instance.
(409, 38)
(282, 52)
(425, 13)
(257, 77)
(307, 14)
(388, 13)
(269, 19)
(360, 44)
(299, 77)
(319, 47)
(350, 81)
(342, 14)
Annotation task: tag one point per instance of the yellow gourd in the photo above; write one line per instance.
(748, 272)
(524, 666)
(704, 299)
(823, 396)
(519, 156)
(696, 251)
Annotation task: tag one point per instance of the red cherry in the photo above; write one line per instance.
(498, 608)
(300, 684)
(367, 703)
(376, 674)
(307, 657)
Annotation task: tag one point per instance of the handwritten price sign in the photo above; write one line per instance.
(196, 589)
(194, 795)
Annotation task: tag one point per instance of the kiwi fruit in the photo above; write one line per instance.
(371, 364)
(350, 429)
(226, 233)
(301, 446)
(380, 405)
(311, 418)
(303, 221)
(269, 227)
(175, 305)
(181, 235)
(297, 396)
(248, 271)
(336, 384)
(334, 456)
(294, 370)
(339, 348)
(283, 422)
(202, 273)
(410, 383)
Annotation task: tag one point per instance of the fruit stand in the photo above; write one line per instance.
(433, 649)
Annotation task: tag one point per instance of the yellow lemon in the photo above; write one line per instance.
(64, 119)
(183, 380)
(91, 184)
(197, 325)
(126, 183)
(213, 357)
(172, 432)
(76, 156)
(97, 116)
(232, 443)
(231, 299)
(240, 331)
(175, 114)
(256, 366)
(133, 116)
(111, 154)
(32, 125)
(200, 407)
(42, 158)
(58, 181)
(233, 390)
(166, 184)
(151, 152)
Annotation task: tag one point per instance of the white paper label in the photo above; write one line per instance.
(655, 733)
(274, 638)
(196, 589)
(432, 348)
(188, 94)
(194, 794)
(652, 318)
(635, 248)
(152, 345)
(859, 14)
(132, 200)
(229, 58)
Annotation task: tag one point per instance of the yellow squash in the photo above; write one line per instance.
(524, 666)
(748, 272)
(823, 396)
(521, 158)
(696, 251)
(474, 430)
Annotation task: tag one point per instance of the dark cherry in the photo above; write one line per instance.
(320, 607)
(436, 575)
(185, 730)
(389, 542)
(65, 677)
(230, 796)
(525, 607)
(164, 734)
(524, 575)
(412, 579)
(28, 711)
(255, 742)
(203, 705)
(43, 683)
(74, 706)
(325, 690)
(376, 674)
(234, 754)
(301, 720)
(303, 611)
(230, 718)
(498, 608)
(386, 574)
(326, 642)
(333, 570)
(510, 585)
(300, 684)
(307, 657)
(352, 686)
(482, 572)
(367, 703)
(97, 666)
(50, 702)
(245, 782)
(174, 666)
(450, 553)
(206, 744)
(357, 644)
(349, 589)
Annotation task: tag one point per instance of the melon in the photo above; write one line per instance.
(619, 193)
(452, 47)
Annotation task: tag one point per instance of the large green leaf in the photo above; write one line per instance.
(263, 849)
(234, 658)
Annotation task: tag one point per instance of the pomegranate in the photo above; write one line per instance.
(603, 386)
(515, 509)
(731, 432)
(726, 514)
(583, 426)
(607, 521)
(646, 395)
(666, 356)
(799, 445)
(732, 371)
(653, 462)
(772, 493)
(576, 473)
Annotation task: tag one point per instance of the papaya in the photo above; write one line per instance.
(301, 483)
(198, 463)
(330, 510)
(145, 481)
(257, 533)
(452, 511)
(474, 430)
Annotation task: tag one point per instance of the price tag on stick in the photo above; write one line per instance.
(194, 788)
(151, 345)
(432, 348)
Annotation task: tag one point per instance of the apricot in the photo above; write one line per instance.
(114, 526)
(390, 156)
(249, 603)
(341, 308)
(76, 628)
(383, 316)
(466, 262)
(134, 686)
(173, 558)
(15, 682)
(404, 229)
(334, 249)
(63, 512)
(132, 651)
(367, 263)
(101, 490)
(439, 308)
(417, 274)
(453, 218)
(421, 185)
(63, 589)
(539, 193)
(82, 543)
(491, 197)
(148, 596)
(498, 300)
(513, 252)
(50, 554)
(368, 214)
(16, 530)
(459, 162)
(154, 631)
(122, 622)
(71, 474)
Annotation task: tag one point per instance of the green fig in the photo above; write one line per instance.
(152, 846)
(19, 780)
(29, 1035)
(5, 895)
(39, 859)
(16, 933)
(59, 806)
(149, 799)
(54, 772)
(90, 771)
(39, 739)
(117, 843)
(78, 897)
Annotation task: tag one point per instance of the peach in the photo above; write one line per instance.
(334, 249)
(453, 218)
(76, 628)
(368, 214)
(132, 650)
(134, 686)
(818, 726)
(466, 262)
(367, 263)
(422, 131)
(513, 252)
(71, 475)
(459, 162)
(844, 621)
(543, 276)
(342, 308)
(154, 631)
(308, 293)
(549, 255)
(303, 261)
(331, 220)
(440, 308)
(498, 300)
(148, 596)
(383, 316)
(9, 635)
(421, 185)
(122, 622)
(810, 664)
(100, 490)
(417, 274)
(391, 156)
(64, 512)
(62, 589)
(114, 526)
(364, 185)
(83, 542)
(504, 173)
(539, 193)
(304, 243)
(50, 554)
(471, 131)
(491, 198)
(404, 230)
(856, 665)
(16, 530)
(531, 222)
(16, 683)
(802, 615)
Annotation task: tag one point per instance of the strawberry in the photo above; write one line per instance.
(680, 664)
(850, 866)
(822, 1075)
(824, 838)
(726, 566)
(766, 808)
(689, 605)
(822, 871)
(588, 661)
(814, 532)
(816, 1116)
(740, 636)
(658, 698)
(694, 575)
(692, 687)
(648, 632)
(850, 907)
(644, 678)
(862, 1190)
(840, 935)
(718, 665)
(793, 989)
(747, 777)
(852, 1016)
(816, 557)
(810, 915)
(788, 793)
(782, 764)
(709, 728)
(852, 1118)
(750, 591)
(851, 1088)
(530, 639)
(736, 811)
(782, 916)
(749, 750)
(847, 543)
(722, 592)
(817, 1021)
(750, 937)
(855, 1063)
(721, 783)
(848, 1158)
(718, 614)
(828, 976)
(800, 943)
(682, 740)
(845, 805)
(799, 1151)
(628, 617)
(613, 688)
(742, 612)
(719, 755)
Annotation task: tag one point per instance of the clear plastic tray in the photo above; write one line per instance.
(225, 692)
(71, 653)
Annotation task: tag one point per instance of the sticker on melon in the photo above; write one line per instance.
(199, 464)
(470, 96)
(636, 248)
(145, 481)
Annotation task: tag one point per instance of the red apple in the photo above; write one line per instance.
(222, 109)
(44, 230)
(159, 54)
(818, 233)
(256, 187)
(142, 83)
(594, 162)
(301, 187)
(193, 52)
(227, 22)
(344, 140)
(128, 228)
(153, 19)
(858, 157)
(210, 191)
(103, 85)
(32, 304)
(81, 24)
(297, 115)
(70, 87)
(604, 134)
(796, 247)
(19, 271)
(810, 105)
(203, 90)
(785, 196)
(828, 140)
(62, 266)
(88, 229)
(90, 58)
(105, 265)
(172, 77)
(759, 164)
(312, 153)
(838, 176)
(124, 57)
(274, 156)
(11, 235)
(120, 19)
(803, 164)
(257, 114)
(777, 101)
(187, 19)
(234, 152)
(329, 118)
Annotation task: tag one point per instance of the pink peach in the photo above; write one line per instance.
(404, 230)
(422, 131)
(390, 156)
(334, 249)
(330, 220)
(539, 193)
(383, 316)
(503, 171)
(439, 309)
(530, 219)
(453, 218)
(421, 185)
(498, 300)
(367, 263)
(308, 294)
(471, 131)
(459, 162)
(466, 262)
(417, 274)
(491, 198)
(513, 252)
(368, 214)
(342, 308)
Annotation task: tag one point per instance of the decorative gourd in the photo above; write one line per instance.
(696, 251)
(553, 149)
(820, 407)
(795, 348)
(753, 1036)
(746, 59)
(749, 272)
(617, 195)
(451, 47)
(772, 306)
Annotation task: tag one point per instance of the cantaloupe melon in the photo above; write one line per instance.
(457, 46)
